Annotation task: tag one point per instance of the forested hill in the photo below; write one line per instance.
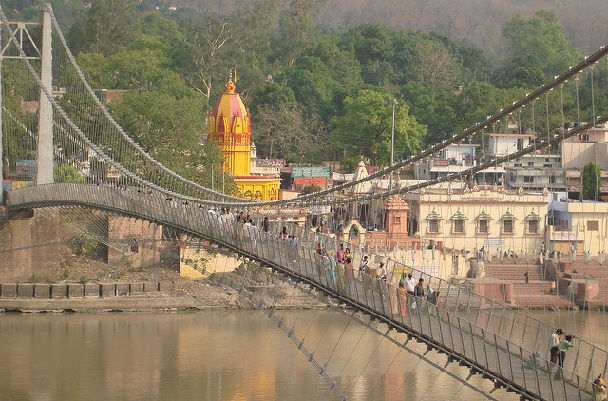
(324, 79)
(470, 22)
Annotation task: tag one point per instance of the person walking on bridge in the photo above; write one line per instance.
(419, 294)
(563, 346)
(554, 341)
(410, 285)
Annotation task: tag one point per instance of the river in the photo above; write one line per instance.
(219, 355)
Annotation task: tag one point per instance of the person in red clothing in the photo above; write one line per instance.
(340, 254)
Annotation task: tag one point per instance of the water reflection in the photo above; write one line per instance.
(219, 355)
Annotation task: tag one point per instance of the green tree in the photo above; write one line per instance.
(312, 83)
(297, 30)
(591, 181)
(372, 46)
(67, 173)
(108, 27)
(433, 107)
(537, 50)
(169, 128)
(365, 129)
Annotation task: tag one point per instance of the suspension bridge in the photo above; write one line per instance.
(489, 337)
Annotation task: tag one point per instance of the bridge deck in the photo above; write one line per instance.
(467, 329)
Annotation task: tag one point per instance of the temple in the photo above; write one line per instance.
(230, 128)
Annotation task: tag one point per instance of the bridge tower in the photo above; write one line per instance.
(44, 173)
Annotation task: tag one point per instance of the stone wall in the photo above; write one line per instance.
(77, 290)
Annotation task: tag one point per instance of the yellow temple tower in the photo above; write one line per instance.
(230, 127)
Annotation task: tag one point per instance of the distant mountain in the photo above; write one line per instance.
(473, 22)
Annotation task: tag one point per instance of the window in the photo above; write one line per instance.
(433, 226)
(459, 226)
(483, 223)
(458, 222)
(528, 178)
(397, 220)
(533, 223)
(530, 163)
(533, 226)
(547, 165)
(552, 179)
(547, 160)
(508, 223)
(520, 143)
(434, 222)
(592, 225)
(517, 165)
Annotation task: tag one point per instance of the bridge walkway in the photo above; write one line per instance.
(474, 335)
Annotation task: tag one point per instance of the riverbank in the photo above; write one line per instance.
(218, 291)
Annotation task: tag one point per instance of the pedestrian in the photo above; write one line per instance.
(409, 288)
(402, 299)
(364, 263)
(266, 225)
(527, 276)
(319, 249)
(381, 273)
(340, 254)
(330, 268)
(419, 294)
(348, 257)
(419, 289)
(554, 341)
(563, 346)
(599, 389)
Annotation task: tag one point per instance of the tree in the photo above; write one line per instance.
(202, 63)
(170, 128)
(67, 173)
(433, 107)
(108, 27)
(372, 46)
(365, 128)
(297, 30)
(284, 131)
(538, 50)
(591, 181)
(312, 83)
(436, 66)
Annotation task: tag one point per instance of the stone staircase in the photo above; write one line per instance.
(534, 294)
(592, 270)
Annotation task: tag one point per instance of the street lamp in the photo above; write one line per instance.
(390, 184)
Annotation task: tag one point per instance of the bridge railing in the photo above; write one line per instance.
(491, 315)
(496, 331)
(445, 327)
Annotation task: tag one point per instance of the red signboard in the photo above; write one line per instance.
(309, 181)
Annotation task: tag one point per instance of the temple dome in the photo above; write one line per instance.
(229, 114)
(361, 173)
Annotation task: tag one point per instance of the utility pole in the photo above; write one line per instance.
(394, 103)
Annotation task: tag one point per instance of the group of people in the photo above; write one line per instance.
(559, 343)
(558, 346)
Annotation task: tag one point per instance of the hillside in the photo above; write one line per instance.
(475, 22)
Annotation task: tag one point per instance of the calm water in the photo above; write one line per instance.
(215, 355)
